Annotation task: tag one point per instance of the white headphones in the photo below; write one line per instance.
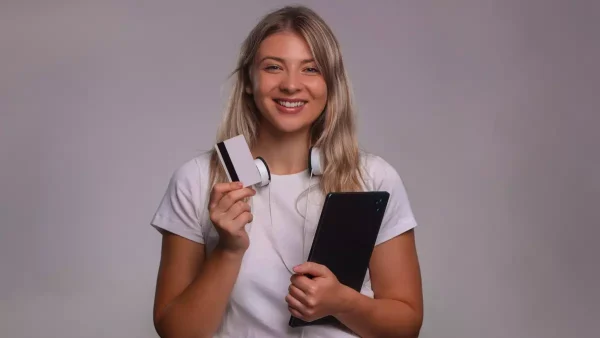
(315, 166)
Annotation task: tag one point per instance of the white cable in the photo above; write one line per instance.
(270, 232)
(271, 229)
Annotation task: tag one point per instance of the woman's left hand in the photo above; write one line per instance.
(312, 298)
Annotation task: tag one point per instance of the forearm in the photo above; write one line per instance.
(370, 317)
(198, 311)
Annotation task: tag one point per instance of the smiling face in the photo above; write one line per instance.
(287, 87)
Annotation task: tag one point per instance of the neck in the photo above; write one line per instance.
(285, 153)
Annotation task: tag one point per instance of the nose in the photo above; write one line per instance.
(290, 82)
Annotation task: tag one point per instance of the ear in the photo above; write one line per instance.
(248, 90)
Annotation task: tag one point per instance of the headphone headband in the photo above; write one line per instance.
(315, 166)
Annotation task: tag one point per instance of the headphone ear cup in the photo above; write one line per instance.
(263, 170)
(315, 165)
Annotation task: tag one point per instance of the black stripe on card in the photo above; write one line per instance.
(227, 161)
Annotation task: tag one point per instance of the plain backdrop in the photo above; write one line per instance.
(488, 109)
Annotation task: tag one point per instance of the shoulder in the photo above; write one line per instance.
(182, 208)
(378, 174)
(190, 180)
(193, 171)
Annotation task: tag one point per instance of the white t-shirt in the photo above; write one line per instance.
(257, 306)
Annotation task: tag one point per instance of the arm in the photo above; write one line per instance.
(192, 292)
(397, 308)
(395, 311)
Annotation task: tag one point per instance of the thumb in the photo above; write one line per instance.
(312, 268)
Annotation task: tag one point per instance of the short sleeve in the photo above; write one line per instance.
(398, 217)
(179, 209)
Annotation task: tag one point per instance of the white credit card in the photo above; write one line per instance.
(237, 161)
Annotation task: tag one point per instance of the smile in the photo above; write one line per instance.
(290, 104)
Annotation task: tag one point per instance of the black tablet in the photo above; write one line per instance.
(345, 238)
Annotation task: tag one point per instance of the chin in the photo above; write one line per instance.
(291, 128)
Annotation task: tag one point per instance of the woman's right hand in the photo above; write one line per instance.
(230, 213)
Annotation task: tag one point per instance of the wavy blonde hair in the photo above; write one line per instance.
(333, 131)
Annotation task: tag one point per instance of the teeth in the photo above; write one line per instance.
(291, 104)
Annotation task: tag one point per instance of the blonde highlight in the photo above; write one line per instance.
(334, 132)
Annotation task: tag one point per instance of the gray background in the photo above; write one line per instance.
(488, 109)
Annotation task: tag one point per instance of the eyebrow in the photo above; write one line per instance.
(282, 60)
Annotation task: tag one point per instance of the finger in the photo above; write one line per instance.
(243, 219)
(220, 189)
(295, 304)
(236, 217)
(313, 269)
(296, 313)
(220, 216)
(237, 209)
(234, 196)
(304, 283)
(298, 294)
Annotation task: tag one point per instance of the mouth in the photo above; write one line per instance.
(289, 106)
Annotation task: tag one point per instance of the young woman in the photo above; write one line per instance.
(233, 259)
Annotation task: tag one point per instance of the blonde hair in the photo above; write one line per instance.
(333, 131)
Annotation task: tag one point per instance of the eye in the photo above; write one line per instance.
(312, 70)
(272, 68)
